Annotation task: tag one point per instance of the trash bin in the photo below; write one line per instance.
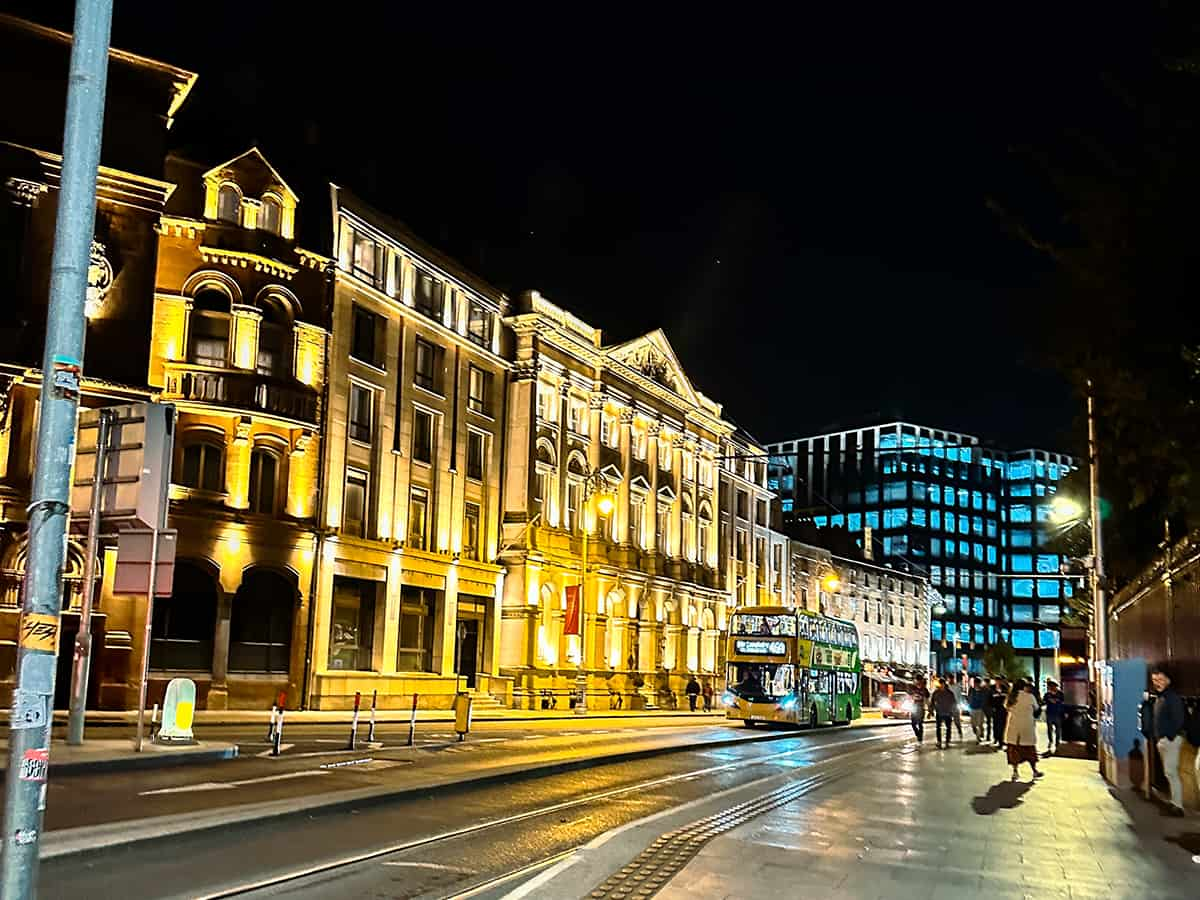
(462, 713)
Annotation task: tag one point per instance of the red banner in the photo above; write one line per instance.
(571, 621)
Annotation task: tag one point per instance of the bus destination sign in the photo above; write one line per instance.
(760, 648)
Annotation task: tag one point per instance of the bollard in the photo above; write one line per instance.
(371, 727)
(153, 720)
(412, 721)
(354, 722)
(278, 735)
(271, 725)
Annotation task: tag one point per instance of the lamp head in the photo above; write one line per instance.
(605, 504)
(1064, 509)
(831, 582)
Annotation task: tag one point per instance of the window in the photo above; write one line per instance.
(662, 528)
(475, 455)
(608, 430)
(664, 456)
(354, 503)
(362, 402)
(705, 525)
(428, 296)
(573, 521)
(229, 204)
(689, 464)
(274, 340)
(1022, 638)
(364, 341)
(422, 436)
(203, 467)
(743, 505)
(470, 535)
(479, 324)
(263, 466)
(428, 368)
(418, 518)
(760, 557)
(705, 473)
(576, 417)
(637, 514)
(366, 261)
(545, 402)
(208, 329)
(741, 545)
(479, 390)
(353, 625)
(414, 649)
(638, 436)
(270, 215)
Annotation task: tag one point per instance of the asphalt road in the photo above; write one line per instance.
(466, 841)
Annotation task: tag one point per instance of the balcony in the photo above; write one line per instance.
(242, 390)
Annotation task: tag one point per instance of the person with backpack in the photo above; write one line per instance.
(693, 692)
(707, 693)
(945, 707)
(1169, 719)
(1056, 706)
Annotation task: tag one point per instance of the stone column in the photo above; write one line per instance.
(218, 691)
(676, 452)
(622, 511)
(652, 432)
(560, 489)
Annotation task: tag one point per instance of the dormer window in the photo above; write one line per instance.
(229, 203)
(270, 215)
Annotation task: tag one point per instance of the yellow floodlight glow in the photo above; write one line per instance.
(605, 504)
(831, 582)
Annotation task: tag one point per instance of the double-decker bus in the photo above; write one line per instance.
(790, 665)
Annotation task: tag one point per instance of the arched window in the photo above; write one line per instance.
(705, 526)
(274, 339)
(270, 215)
(264, 467)
(203, 466)
(688, 524)
(208, 330)
(260, 627)
(229, 204)
(547, 478)
(184, 623)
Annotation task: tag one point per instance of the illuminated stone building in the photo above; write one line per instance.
(132, 192)
(663, 565)
(408, 585)
(238, 344)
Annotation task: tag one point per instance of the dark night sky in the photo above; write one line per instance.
(799, 202)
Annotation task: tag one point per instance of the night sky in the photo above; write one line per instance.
(800, 202)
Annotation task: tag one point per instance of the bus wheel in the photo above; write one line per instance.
(813, 721)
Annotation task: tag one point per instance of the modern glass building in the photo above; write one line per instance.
(974, 518)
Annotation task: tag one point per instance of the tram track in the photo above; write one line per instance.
(296, 878)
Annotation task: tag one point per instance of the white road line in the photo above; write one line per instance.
(229, 785)
(429, 865)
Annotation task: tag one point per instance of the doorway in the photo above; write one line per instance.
(468, 651)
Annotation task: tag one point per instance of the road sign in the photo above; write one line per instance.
(132, 574)
(137, 465)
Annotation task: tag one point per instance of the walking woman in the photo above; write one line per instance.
(1020, 732)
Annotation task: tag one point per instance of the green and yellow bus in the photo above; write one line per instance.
(790, 665)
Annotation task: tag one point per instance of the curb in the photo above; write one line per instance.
(86, 839)
(381, 718)
(143, 761)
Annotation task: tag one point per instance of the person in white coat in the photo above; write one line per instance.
(1020, 733)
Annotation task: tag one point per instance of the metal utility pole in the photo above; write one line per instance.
(83, 640)
(1099, 606)
(62, 362)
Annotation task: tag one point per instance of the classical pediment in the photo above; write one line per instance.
(252, 173)
(652, 357)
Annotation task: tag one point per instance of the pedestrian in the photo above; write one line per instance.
(956, 690)
(693, 692)
(1168, 726)
(1056, 708)
(977, 700)
(707, 693)
(920, 698)
(945, 708)
(989, 688)
(1020, 732)
(999, 710)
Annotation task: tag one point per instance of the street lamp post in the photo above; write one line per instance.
(595, 484)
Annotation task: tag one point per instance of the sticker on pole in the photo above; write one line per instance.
(65, 377)
(34, 765)
(39, 631)
(23, 837)
(28, 710)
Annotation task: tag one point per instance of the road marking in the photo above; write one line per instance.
(227, 785)
(429, 865)
(265, 753)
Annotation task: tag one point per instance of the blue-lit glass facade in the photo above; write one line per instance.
(975, 519)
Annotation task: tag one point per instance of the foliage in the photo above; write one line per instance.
(1000, 661)
(1109, 195)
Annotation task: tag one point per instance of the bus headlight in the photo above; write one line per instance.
(789, 703)
(729, 699)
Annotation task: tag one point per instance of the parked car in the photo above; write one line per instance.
(898, 706)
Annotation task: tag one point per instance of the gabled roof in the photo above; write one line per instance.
(253, 155)
(653, 357)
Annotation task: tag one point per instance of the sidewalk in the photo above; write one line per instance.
(950, 824)
(118, 755)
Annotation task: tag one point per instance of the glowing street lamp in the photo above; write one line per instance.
(831, 582)
(1064, 510)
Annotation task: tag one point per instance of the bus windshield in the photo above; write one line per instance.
(761, 681)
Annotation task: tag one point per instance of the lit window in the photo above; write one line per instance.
(362, 402)
(1021, 562)
(475, 455)
(470, 536)
(428, 295)
(1022, 638)
(366, 262)
(270, 215)
(479, 384)
(418, 518)
(479, 324)
(354, 503)
(229, 204)
(427, 370)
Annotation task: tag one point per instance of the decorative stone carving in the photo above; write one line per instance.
(24, 192)
(99, 280)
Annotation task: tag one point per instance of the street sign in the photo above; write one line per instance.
(137, 464)
(132, 574)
